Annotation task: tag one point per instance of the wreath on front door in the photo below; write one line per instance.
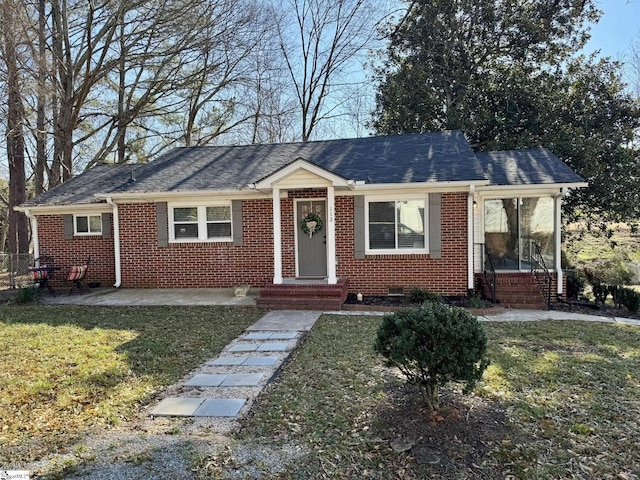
(311, 224)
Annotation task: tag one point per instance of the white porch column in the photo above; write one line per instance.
(558, 241)
(277, 237)
(470, 262)
(331, 236)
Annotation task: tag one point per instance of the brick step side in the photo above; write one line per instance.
(300, 303)
(524, 306)
(304, 296)
(520, 290)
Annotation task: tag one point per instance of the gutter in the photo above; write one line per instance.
(34, 232)
(116, 241)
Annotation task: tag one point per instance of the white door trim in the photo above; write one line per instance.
(296, 221)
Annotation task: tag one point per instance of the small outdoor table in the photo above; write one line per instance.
(43, 274)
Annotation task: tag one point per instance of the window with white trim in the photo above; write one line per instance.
(87, 224)
(396, 225)
(201, 223)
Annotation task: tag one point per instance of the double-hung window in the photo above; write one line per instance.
(201, 223)
(396, 226)
(87, 224)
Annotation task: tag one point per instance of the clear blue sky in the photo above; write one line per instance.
(617, 29)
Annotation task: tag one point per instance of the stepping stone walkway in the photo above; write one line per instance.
(227, 385)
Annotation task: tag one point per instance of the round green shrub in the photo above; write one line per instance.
(433, 345)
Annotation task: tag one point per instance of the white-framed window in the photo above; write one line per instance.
(396, 225)
(87, 224)
(200, 223)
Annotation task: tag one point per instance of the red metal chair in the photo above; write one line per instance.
(76, 275)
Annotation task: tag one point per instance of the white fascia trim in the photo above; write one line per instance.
(274, 178)
(131, 197)
(533, 187)
(86, 209)
(430, 187)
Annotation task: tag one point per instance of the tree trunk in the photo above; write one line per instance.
(430, 394)
(41, 134)
(18, 227)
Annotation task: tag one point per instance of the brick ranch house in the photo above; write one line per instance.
(309, 222)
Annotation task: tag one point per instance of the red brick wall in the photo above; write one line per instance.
(144, 264)
(75, 251)
(374, 274)
(189, 265)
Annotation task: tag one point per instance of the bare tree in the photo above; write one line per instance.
(320, 41)
(10, 40)
(634, 66)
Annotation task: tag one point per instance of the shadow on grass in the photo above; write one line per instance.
(66, 368)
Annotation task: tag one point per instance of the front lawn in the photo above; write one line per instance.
(560, 400)
(67, 368)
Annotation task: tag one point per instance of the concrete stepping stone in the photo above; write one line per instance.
(286, 320)
(257, 336)
(220, 407)
(283, 336)
(273, 347)
(229, 361)
(243, 347)
(205, 380)
(177, 407)
(260, 361)
(242, 380)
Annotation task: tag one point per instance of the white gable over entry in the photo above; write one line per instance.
(297, 175)
(303, 174)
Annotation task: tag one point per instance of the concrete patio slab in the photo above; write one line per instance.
(154, 296)
(287, 320)
(220, 407)
(177, 407)
(260, 361)
(243, 347)
(229, 361)
(205, 380)
(242, 380)
(274, 347)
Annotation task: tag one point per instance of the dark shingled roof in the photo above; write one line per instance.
(413, 158)
(430, 157)
(526, 167)
(82, 188)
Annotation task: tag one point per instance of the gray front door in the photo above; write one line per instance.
(312, 248)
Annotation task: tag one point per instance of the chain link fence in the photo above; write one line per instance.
(14, 270)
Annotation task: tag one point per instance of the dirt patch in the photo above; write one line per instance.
(458, 442)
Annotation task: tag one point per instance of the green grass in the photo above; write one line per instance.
(586, 248)
(68, 368)
(570, 392)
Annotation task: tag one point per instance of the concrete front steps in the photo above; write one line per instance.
(304, 296)
(516, 290)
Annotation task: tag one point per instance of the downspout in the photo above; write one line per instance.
(470, 231)
(34, 233)
(558, 239)
(116, 241)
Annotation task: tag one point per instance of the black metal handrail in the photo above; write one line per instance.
(540, 270)
(488, 271)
